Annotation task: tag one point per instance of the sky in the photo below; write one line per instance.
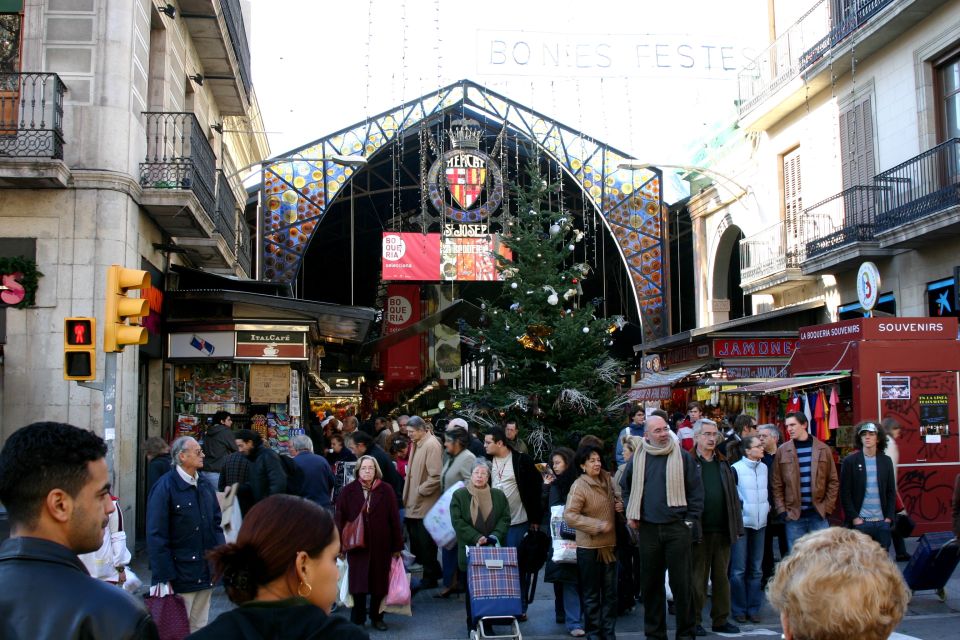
(651, 79)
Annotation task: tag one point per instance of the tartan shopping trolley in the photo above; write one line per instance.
(493, 578)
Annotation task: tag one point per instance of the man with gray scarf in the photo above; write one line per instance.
(664, 497)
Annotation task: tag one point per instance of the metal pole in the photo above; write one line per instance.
(110, 409)
(351, 243)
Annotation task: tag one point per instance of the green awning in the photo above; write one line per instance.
(11, 6)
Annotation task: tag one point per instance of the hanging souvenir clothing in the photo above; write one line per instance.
(834, 410)
(820, 416)
(808, 400)
(793, 404)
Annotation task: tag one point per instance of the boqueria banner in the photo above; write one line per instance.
(435, 257)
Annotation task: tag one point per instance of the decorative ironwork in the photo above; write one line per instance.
(768, 252)
(31, 115)
(178, 157)
(297, 192)
(922, 185)
(238, 37)
(226, 219)
(840, 220)
(244, 249)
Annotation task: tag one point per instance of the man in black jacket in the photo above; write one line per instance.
(55, 486)
(265, 476)
(218, 443)
(516, 475)
(868, 490)
(362, 444)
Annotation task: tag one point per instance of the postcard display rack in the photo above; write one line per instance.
(200, 390)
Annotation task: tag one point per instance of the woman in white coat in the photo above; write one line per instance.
(746, 556)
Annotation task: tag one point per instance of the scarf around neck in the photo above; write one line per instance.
(481, 508)
(676, 489)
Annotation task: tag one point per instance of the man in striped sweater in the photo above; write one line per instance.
(805, 480)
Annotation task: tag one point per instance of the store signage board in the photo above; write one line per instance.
(271, 345)
(462, 253)
(740, 372)
(868, 285)
(204, 345)
(269, 383)
(686, 353)
(411, 256)
(881, 329)
(754, 347)
(651, 393)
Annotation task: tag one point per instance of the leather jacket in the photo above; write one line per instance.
(824, 480)
(45, 593)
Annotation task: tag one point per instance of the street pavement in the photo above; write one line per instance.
(436, 619)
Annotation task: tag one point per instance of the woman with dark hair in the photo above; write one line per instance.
(400, 453)
(376, 501)
(591, 510)
(868, 488)
(338, 452)
(158, 459)
(563, 575)
(283, 571)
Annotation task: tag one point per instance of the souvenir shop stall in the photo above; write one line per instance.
(872, 368)
(255, 372)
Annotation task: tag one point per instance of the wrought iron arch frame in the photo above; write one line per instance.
(298, 187)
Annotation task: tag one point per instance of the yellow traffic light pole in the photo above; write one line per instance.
(120, 328)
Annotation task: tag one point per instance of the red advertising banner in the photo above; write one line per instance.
(401, 362)
(432, 257)
(411, 256)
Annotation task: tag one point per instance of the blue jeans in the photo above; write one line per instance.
(879, 531)
(572, 616)
(746, 559)
(806, 523)
(514, 536)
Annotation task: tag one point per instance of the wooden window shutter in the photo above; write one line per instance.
(856, 144)
(792, 197)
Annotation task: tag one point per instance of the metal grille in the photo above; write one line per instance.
(31, 115)
(178, 157)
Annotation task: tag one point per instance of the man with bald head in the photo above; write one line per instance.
(664, 497)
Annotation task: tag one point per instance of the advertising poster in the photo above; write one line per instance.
(894, 387)
(471, 258)
(934, 417)
(433, 257)
(403, 309)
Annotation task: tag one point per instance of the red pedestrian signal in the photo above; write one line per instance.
(79, 348)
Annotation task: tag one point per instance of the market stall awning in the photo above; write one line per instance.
(781, 384)
(656, 386)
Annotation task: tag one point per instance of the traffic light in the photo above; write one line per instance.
(79, 348)
(117, 333)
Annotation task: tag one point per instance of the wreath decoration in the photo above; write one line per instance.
(29, 278)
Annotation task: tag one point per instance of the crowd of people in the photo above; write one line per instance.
(686, 517)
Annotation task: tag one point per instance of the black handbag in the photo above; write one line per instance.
(567, 532)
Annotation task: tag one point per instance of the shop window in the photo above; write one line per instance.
(942, 299)
(886, 304)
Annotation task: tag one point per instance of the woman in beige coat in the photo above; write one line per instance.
(591, 510)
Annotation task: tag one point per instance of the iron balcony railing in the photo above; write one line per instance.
(781, 61)
(925, 184)
(810, 38)
(771, 251)
(31, 115)
(244, 249)
(226, 218)
(179, 157)
(238, 37)
(841, 220)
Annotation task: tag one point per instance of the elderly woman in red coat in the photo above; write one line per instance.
(383, 538)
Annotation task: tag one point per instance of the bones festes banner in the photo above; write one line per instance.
(433, 257)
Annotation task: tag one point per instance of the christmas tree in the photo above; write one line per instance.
(547, 350)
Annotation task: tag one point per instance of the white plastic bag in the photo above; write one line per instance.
(231, 517)
(564, 551)
(133, 582)
(343, 584)
(437, 521)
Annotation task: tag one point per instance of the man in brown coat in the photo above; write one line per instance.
(421, 491)
(805, 481)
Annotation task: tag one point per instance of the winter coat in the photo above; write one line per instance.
(589, 508)
(752, 484)
(389, 471)
(291, 619)
(370, 566)
(456, 468)
(730, 497)
(183, 523)
(825, 483)
(218, 443)
(530, 484)
(422, 488)
(853, 486)
(157, 468)
(467, 534)
(266, 475)
(45, 592)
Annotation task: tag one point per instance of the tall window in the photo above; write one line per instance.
(792, 198)
(11, 25)
(948, 84)
(856, 143)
